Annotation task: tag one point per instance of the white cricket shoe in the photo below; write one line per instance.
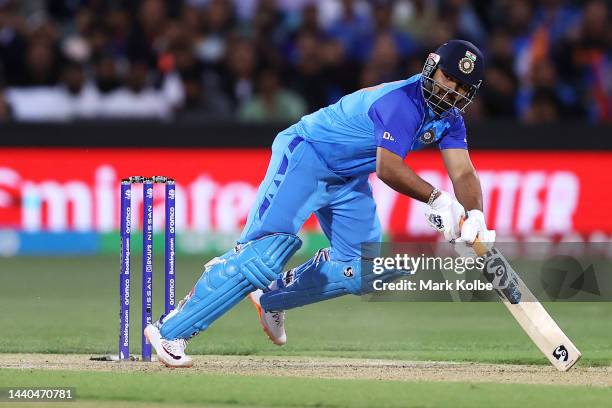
(273, 323)
(170, 352)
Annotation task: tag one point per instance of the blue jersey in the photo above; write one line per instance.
(392, 115)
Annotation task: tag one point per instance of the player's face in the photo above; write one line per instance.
(449, 82)
(443, 88)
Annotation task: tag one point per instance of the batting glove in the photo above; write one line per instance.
(474, 227)
(444, 215)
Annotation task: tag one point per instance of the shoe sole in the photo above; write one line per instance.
(263, 325)
(161, 360)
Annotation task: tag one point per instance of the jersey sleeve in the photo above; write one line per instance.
(395, 119)
(456, 136)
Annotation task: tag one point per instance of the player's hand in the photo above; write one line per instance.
(444, 215)
(473, 227)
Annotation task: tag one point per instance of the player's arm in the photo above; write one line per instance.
(466, 183)
(443, 212)
(468, 191)
(394, 172)
(396, 121)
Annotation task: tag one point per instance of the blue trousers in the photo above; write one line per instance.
(297, 184)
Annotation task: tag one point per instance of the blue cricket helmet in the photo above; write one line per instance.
(460, 60)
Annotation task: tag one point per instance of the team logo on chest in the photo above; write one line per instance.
(428, 137)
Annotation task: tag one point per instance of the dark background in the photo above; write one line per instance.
(491, 134)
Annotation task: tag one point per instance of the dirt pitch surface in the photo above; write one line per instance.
(329, 368)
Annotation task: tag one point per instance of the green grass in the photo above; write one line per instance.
(233, 390)
(70, 305)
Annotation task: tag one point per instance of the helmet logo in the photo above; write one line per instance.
(466, 65)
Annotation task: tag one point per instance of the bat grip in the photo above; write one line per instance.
(480, 248)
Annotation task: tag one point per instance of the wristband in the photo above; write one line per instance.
(433, 197)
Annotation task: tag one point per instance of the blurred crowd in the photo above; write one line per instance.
(275, 60)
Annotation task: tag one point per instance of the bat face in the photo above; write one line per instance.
(527, 310)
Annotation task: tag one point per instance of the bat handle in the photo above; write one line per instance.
(480, 248)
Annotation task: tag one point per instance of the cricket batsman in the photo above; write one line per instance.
(321, 165)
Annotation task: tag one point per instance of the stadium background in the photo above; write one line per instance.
(186, 78)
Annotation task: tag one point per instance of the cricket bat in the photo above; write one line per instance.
(527, 310)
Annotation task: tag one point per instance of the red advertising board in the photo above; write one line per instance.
(525, 192)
